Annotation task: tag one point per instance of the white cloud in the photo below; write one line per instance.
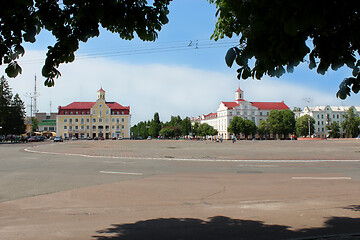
(167, 89)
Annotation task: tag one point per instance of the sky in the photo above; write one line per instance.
(182, 73)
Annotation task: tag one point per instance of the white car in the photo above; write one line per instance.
(120, 138)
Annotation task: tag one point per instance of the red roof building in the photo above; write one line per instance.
(100, 119)
(255, 111)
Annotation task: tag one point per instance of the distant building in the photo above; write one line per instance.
(94, 119)
(47, 125)
(325, 115)
(40, 116)
(255, 111)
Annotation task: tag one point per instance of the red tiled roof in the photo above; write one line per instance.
(101, 90)
(239, 90)
(270, 105)
(230, 105)
(89, 105)
(210, 115)
(79, 105)
(116, 106)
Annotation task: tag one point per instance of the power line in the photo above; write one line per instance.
(144, 49)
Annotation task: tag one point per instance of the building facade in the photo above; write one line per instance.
(93, 119)
(325, 115)
(255, 111)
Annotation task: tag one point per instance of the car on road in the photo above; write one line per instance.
(32, 139)
(120, 138)
(58, 139)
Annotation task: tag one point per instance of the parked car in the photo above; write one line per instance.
(88, 138)
(120, 138)
(101, 138)
(58, 139)
(73, 138)
(149, 138)
(32, 139)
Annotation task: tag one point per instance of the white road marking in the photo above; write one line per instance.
(124, 173)
(321, 178)
(198, 159)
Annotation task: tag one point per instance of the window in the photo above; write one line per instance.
(100, 112)
(70, 120)
(87, 120)
(107, 112)
(322, 115)
(82, 120)
(318, 122)
(76, 112)
(322, 129)
(112, 127)
(117, 127)
(260, 113)
(65, 127)
(100, 127)
(117, 120)
(82, 127)
(94, 112)
(267, 113)
(87, 127)
(337, 115)
(106, 119)
(230, 113)
(70, 128)
(76, 120)
(82, 112)
(94, 119)
(94, 127)
(71, 112)
(65, 112)
(100, 106)
(107, 127)
(100, 119)
(76, 127)
(113, 120)
(65, 120)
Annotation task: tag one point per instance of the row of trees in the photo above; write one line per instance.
(174, 128)
(279, 123)
(282, 123)
(12, 110)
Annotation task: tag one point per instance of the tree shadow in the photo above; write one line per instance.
(220, 227)
(353, 207)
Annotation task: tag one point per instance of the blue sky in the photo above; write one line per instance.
(167, 76)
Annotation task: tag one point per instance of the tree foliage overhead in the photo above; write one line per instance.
(277, 34)
(72, 21)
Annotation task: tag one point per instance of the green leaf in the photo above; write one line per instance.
(19, 50)
(230, 57)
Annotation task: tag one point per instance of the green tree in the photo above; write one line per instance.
(206, 130)
(263, 129)
(185, 126)
(167, 132)
(248, 128)
(72, 22)
(155, 126)
(281, 122)
(351, 123)
(334, 130)
(302, 125)
(280, 35)
(34, 124)
(12, 111)
(235, 125)
(195, 128)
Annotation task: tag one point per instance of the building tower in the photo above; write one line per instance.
(239, 95)
(101, 94)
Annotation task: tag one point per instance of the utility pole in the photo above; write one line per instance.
(35, 97)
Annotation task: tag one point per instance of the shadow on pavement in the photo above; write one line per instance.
(353, 207)
(220, 227)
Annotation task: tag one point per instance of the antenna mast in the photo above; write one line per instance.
(35, 98)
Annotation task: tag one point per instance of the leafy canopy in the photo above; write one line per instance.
(72, 21)
(277, 34)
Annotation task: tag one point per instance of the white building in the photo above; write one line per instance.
(325, 115)
(255, 111)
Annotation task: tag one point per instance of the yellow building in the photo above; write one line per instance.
(93, 119)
